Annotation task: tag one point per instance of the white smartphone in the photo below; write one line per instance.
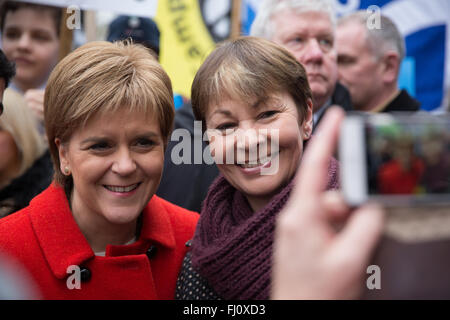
(395, 159)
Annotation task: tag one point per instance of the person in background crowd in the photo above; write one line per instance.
(307, 29)
(25, 166)
(187, 184)
(435, 146)
(248, 85)
(369, 61)
(99, 227)
(14, 281)
(30, 39)
(140, 30)
(402, 174)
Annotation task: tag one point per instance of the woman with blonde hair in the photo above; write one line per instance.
(25, 166)
(99, 232)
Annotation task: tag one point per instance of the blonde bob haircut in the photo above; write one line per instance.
(101, 78)
(245, 69)
(18, 120)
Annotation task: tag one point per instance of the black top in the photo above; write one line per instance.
(340, 97)
(403, 102)
(191, 285)
(18, 194)
(186, 185)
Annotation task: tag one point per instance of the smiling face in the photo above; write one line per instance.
(309, 36)
(30, 39)
(115, 172)
(243, 131)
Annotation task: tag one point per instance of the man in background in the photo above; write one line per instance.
(369, 59)
(307, 29)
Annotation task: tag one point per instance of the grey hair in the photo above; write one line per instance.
(379, 40)
(262, 25)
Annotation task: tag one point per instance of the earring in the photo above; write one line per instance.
(66, 171)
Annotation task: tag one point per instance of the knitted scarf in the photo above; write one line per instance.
(232, 247)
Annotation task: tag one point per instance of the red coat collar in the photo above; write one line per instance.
(62, 242)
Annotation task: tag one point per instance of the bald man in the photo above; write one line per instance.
(369, 64)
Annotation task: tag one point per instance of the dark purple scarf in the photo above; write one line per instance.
(232, 247)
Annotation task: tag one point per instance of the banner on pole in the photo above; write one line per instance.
(141, 8)
(184, 43)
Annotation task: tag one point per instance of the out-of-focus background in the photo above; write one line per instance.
(188, 30)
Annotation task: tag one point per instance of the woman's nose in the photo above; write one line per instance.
(124, 164)
(249, 142)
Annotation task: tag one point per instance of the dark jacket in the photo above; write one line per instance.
(403, 102)
(21, 190)
(341, 97)
(186, 185)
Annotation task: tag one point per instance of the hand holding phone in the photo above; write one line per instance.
(403, 162)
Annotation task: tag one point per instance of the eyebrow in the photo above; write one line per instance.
(221, 111)
(149, 134)
(259, 102)
(255, 105)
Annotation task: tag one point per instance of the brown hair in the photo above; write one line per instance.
(102, 77)
(246, 68)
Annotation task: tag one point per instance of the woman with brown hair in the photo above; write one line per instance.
(255, 102)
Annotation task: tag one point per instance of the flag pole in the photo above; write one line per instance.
(236, 19)
(65, 36)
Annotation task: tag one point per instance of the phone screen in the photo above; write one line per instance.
(408, 156)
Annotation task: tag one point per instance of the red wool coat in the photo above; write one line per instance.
(45, 238)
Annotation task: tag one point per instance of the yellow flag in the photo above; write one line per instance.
(184, 42)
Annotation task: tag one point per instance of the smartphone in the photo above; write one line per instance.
(395, 159)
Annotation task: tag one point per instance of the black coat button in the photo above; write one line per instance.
(85, 274)
(151, 252)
